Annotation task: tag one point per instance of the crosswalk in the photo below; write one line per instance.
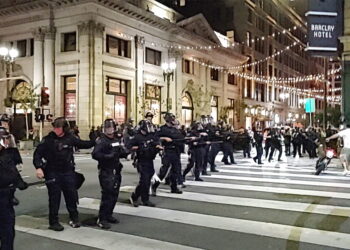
(243, 206)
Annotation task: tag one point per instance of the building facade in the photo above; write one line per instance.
(274, 33)
(102, 59)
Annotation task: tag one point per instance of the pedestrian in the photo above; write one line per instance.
(345, 151)
(276, 144)
(147, 145)
(107, 153)
(54, 161)
(297, 139)
(287, 141)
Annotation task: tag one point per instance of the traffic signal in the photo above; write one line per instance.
(45, 96)
(38, 116)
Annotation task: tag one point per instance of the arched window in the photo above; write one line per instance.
(187, 109)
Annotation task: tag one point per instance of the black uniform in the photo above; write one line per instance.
(197, 148)
(59, 173)
(8, 183)
(258, 140)
(215, 137)
(107, 152)
(172, 152)
(227, 148)
(145, 154)
(275, 145)
(297, 140)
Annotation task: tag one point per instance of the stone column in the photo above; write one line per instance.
(138, 87)
(97, 70)
(83, 92)
(49, 69)
(38, 74)
(177, 85)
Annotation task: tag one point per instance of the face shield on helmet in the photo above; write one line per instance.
(109, 127)
(4, 138)
(170, 118)
(61, 122)
(204, 120)
(146, 126)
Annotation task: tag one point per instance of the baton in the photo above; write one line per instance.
(41, 182)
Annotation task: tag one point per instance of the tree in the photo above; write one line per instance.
(333, 116)
(28, 102)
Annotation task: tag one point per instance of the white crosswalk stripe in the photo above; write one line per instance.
(238, 196)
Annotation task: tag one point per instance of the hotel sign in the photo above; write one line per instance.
(322, 32)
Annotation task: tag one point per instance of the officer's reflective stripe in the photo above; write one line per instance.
(267, 173)
(307, 235)
(91, 237)
(280, 181)
(249, 202)
(247, 187)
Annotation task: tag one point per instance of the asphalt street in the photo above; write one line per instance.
(279, 205)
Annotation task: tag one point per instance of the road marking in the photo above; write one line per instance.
(262, 173)
(250, 202)
(91, 237)
(279, 181)
(292, 191)
(307, 235)
(280, 169)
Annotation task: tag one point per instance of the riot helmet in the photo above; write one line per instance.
(146, 126)
(210, 120)
(149, 114)
(109, 127)
(204, 120)
(197, 126)
(170, 118)
(61, 122)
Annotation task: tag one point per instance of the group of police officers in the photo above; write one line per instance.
(54, 162)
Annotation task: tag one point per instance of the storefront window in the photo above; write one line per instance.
(70, 101)
(153, 100)
(214, 108)
(187, 110)
(116, 99)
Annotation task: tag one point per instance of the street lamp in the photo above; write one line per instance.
(7, 56)
(168, 71)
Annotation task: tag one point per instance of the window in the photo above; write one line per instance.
(153, 101)
(69, 42)
(116, 99)
(188, 66)
(22, 48)
(270, 94)
(214, 107)
(231, 111)
(153, 56)
(249, 37)
(250, 15)
(118, 47)
(214, 74)
(31, 52)
(249, 89)
(249, 63)
(70, 107)
(231, 79)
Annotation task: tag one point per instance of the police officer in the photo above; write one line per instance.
(215, 135)
(8, 182)
(54, 161)
(258, 140)
(172, 140)
(108, 150)
(197, 151)
(147, 145)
